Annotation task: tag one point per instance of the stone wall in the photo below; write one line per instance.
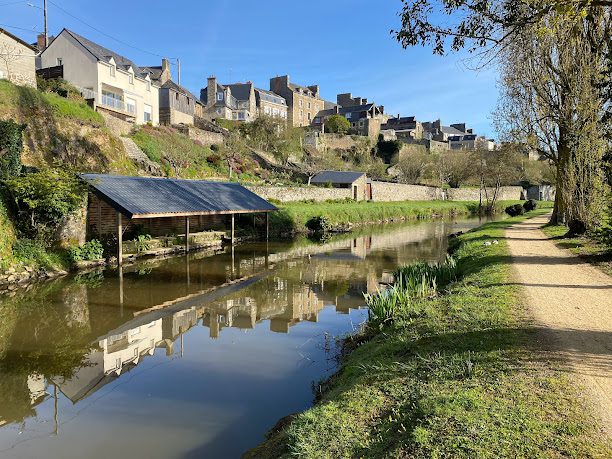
(506, 193)
(205, 137)
(387, 191)
(304, 193)
(116, 125)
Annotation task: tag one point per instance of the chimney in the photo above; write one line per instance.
(365, 101)
(211, 93)
(165, 73)
(40, 42)
(314, 88)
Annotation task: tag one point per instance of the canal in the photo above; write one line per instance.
(193, 356)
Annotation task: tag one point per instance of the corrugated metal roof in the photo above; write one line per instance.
(336, 177)
(139, 196)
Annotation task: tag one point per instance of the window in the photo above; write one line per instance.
(301, 103)
(235, 115)
(130, 105)
(309, 116)
(219, 96)
(301, 114)
(241, 115)
(348, 116)
(131, 78)
(60, 61)
(177, 96)
(148, 113)
(112, 70)
(308, 105)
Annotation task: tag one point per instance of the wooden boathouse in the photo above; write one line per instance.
(165, 206)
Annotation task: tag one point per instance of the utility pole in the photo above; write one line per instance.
(46, 30)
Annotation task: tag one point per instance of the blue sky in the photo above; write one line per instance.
(342, 45)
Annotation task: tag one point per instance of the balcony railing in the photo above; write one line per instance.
(113, 102)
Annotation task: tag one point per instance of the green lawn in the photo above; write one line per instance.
(292, 217)
(456, 375)
(591, 247)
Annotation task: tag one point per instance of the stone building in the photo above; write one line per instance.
(364, 117)
(357, 182)
(17, 60)
(405, 127)
(240, 101)
(176, 104)
(303, 102)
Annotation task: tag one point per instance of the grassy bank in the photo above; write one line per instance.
(454, 374)
(593, 248)
(292, 217)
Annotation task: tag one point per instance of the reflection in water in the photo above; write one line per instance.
(66, 341)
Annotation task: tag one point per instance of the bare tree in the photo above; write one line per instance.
(8, 55)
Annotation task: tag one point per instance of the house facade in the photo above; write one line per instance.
(176, 104)
(364, 117)
(404, 127)
(114, 83)
(303, 102)
(240, 101)
(17, 60)
(361, 187)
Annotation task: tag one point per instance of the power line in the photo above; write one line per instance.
(19, 28)
(12, 3)
(105, 34)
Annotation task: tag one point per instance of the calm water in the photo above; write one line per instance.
(196, 356)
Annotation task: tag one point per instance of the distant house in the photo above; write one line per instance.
(303, 102)
(17, 60)
(357, 181)
(405, 127)
(113, 83)
(176, 104)
(364, 117)
(240, 101)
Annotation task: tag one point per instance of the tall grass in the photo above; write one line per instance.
(418, 280)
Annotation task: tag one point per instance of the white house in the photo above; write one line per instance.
(17, 60)
(115, 83)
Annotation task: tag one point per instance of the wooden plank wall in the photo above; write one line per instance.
(102, 219)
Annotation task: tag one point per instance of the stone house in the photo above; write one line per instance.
(111, 82)
(240, 101)
(17, 60)
(176, 104)
(356, 181)
(303, 102)
(405, 127)
(365, 117)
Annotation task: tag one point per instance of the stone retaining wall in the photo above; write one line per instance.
(387, 191)
(506, 193)
(382, 192)
(303, 193)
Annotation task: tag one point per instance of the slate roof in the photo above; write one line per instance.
(147, 196)
(281, 99)
(451, 130)
(341, 177)
(241, 91)
(104, 54)
(178, 88)
(355, 109)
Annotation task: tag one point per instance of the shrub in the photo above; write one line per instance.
(319, 224)
(143, 243)
(515, 210)
(337, 124)
(91, 250)
(11, 145)
(530, 205)
(43, 199)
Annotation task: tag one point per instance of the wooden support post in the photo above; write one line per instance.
(99, 217)
(186, 234)
(119, 240)
(267, 225)
(233, 228)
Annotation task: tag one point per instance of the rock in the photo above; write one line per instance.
(11, 270)
(12, 278)
(576, 228)
(530, 205)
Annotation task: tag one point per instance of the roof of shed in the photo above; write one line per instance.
(336, 177)
(148, 197)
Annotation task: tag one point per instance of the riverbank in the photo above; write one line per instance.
(454, 375)
(292, 218)
(589, 247)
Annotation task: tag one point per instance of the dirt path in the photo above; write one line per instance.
(572, 301)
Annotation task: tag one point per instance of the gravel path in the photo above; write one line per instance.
(572, 302)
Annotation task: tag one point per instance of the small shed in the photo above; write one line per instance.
(166, 206)
(357, 181)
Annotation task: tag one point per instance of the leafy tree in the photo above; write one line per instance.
(11, 146)
(337, 124)
(454, 168)
(388, 149)
(43, 199)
